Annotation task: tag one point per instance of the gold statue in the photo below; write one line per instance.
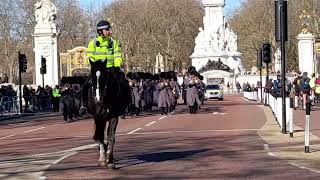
(305, 17)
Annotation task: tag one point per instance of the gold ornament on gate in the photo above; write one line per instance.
(305, 18)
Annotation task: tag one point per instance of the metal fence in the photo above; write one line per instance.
(9, 105)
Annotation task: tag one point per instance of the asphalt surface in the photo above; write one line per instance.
(221, 141)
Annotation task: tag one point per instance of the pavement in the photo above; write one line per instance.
(292, 149)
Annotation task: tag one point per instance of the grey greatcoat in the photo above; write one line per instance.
(156, 92)
(176, 88)
(136, 95)
(192, 92)
(163, 100)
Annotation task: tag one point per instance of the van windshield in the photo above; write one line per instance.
(209, 87)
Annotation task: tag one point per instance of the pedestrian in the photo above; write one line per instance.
(67, 102)
(297, 91)
(305, 88)
(56, 98)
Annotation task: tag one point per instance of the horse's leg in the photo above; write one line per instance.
(111, 140)
(100, 125)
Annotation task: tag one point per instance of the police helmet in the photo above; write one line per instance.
(103, 25)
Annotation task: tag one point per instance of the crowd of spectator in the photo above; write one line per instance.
(35, 100)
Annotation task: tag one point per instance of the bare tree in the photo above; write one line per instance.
(254, 24)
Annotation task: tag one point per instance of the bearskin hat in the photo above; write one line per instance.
(149, 76)
(171, 75)
(201, 78)
(135, 76)
(156, 77)
(192, 69)
(130, 75)
(73, 80)
(163, 75)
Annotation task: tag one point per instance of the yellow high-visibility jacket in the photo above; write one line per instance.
(105, 48)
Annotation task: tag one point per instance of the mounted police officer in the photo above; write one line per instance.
(105, 47)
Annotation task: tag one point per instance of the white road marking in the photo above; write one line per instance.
(53, 125)
(8, 136)
(35, 129)
(303, 167)
(213, 130)
(49, 138)
(162, 117)
(134, 131)
(215, 113)
(42, 178)
(63, 157)
(151, 123)
(272, 154)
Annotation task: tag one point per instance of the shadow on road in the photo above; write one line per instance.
(162, 156)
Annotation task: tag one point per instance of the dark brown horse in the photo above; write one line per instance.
(106, 94)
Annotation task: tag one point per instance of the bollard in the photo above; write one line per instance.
(307, 128)
(291, 118)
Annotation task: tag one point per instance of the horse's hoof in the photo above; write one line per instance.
(102, 163)
(111, 166)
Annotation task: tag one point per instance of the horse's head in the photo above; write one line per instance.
(98, 75)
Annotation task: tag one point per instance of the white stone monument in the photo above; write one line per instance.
(159, 64)
(45, 39)
(216, 40)
(306, 53)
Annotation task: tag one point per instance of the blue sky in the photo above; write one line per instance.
(231, 5)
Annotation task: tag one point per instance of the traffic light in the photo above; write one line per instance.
(23, 62)
(43, 69)
(266, 53)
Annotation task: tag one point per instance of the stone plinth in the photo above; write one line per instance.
(306, 52)
(46, 46)
(45, 40)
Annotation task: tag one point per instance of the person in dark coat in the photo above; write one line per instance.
(67, 103)
(76, 95)
(148, 95)
(296, 87)
(305, 88)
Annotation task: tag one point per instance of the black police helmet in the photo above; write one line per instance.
(103, 25)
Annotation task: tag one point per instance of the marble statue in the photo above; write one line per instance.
(216, 40)
(45, 12)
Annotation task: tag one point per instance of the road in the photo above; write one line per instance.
(219, 142)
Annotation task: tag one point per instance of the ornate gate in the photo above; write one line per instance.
(74, 63)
